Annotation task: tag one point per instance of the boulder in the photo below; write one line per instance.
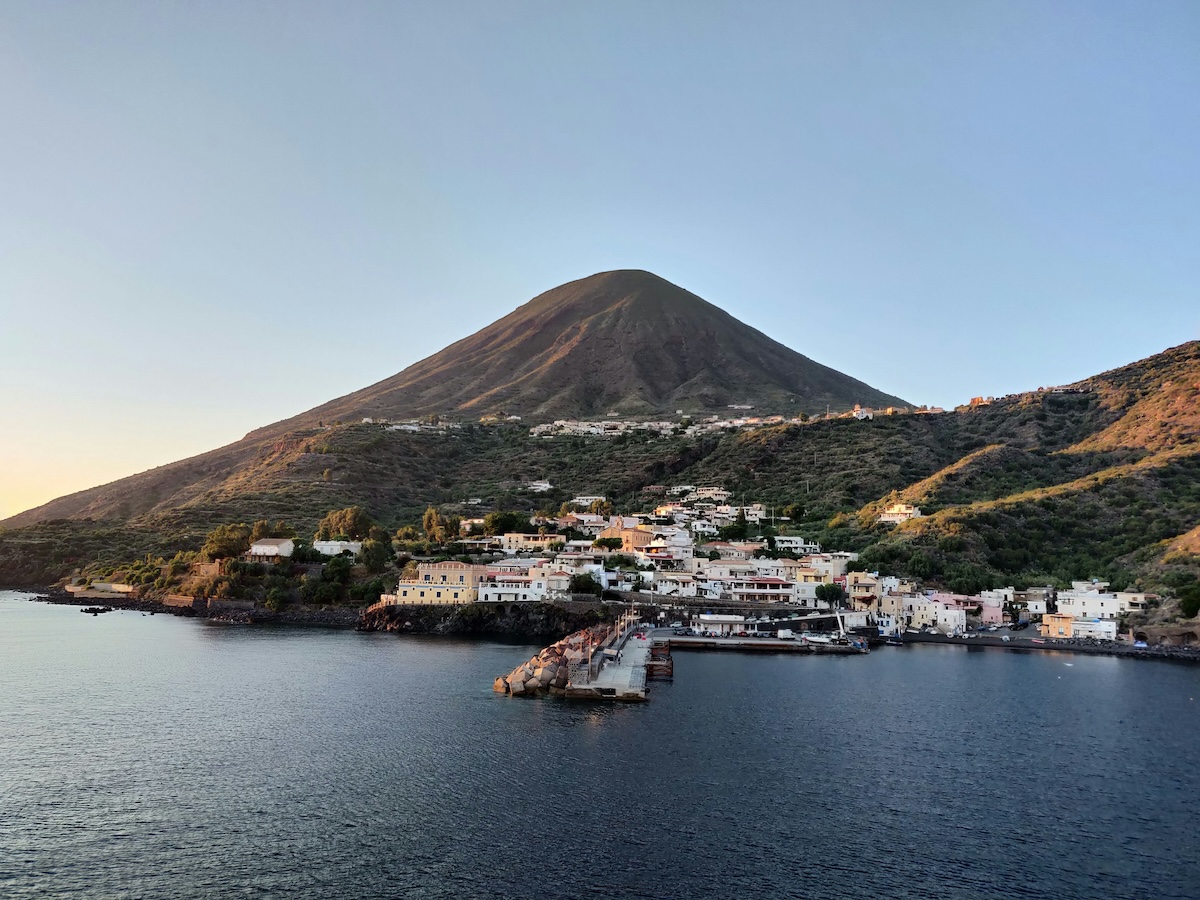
(500, 685)
(516, 687)
(532, 685)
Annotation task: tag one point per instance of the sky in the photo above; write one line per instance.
(215, 216)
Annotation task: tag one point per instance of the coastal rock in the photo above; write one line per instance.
(500, 685)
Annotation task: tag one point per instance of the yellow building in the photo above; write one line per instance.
(447, 582)
(863, 588)
(632, 539)
(1058, 625)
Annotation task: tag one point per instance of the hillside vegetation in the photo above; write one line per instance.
(1103, 482)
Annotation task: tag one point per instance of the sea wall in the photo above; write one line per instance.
(524, 621)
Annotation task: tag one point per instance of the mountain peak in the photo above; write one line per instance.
(624, 340)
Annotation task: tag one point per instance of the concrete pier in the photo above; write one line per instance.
(620, 677)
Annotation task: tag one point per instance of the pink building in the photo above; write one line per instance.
(992, 612)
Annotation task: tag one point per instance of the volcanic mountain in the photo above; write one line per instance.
(624, 341)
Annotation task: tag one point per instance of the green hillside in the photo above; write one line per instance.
(1101, 482)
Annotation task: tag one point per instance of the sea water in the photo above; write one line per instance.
(152, 756)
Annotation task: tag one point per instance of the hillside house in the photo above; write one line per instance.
(863, 589)
(899, 512)
(516, 542)
(271, 550)
(337, 548)
(794, 543)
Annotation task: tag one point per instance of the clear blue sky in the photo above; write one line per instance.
(216, 215)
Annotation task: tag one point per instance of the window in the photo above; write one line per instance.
(439, 593)
(456, 595)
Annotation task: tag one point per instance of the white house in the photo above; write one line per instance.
(1089, 600)
(717, 624)
(923, 611)
(503, 587)
(793, 543)
(587, 499)
(337, 548)
(1100, 629)
(271, 549)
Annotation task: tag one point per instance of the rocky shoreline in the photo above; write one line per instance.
(518, 621)
(322, 617)
(530, 622)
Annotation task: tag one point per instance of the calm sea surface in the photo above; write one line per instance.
(150, 756)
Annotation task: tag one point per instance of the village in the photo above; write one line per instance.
(671, 556)
(741, 417)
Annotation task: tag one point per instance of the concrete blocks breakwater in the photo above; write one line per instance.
(549, 670)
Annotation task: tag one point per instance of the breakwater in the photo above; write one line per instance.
(549, 671)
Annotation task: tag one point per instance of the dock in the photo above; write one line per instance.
(619, 672)
(766, 645)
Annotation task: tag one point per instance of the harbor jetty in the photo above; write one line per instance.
(597, 663)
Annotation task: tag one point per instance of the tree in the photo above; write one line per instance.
(264, 529)
(608, 543)
(833, 594)
(584, 584)
(349, 524)
(430, 523)
(601, 508)
(277, 599)
(504, 522)
(337, 570)
(375, 555)
(226, 541)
